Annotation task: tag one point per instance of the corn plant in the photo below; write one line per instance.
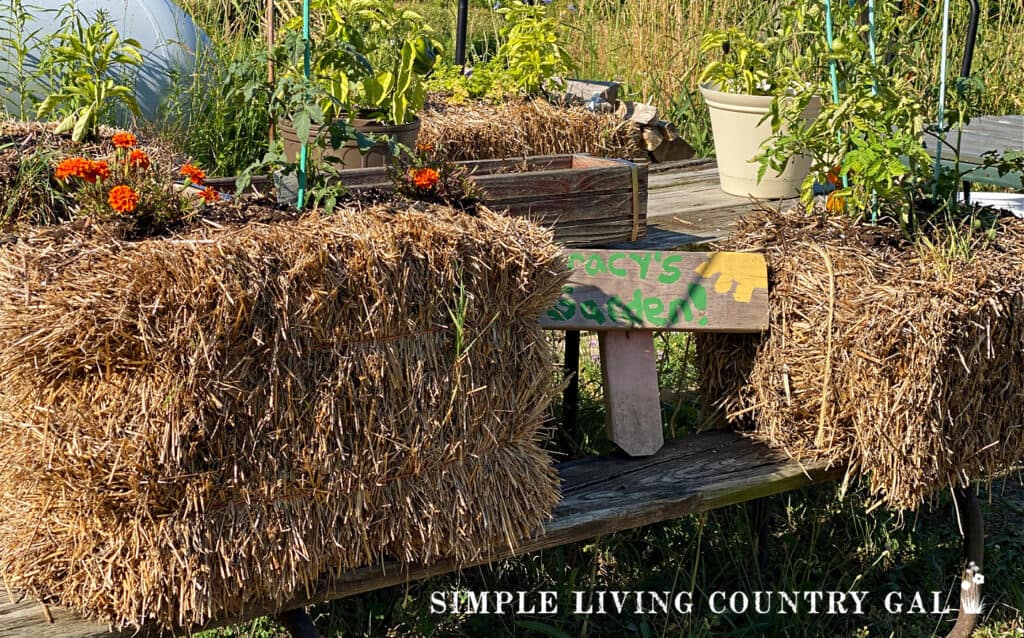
(18, 42)
(83, 67)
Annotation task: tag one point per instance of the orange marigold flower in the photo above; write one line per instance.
(123, 199)
(124, 139)
(73, 167)
(193, 173)
(833, 176)
(209, 195)
(424, 178)
(100, 170)
(138, 159)
(425, 148)
(835, 203)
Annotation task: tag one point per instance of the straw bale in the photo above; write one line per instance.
(194, 426)
(519, 128)
(877, 357)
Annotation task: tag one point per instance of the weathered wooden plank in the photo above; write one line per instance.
(629, 371)
(544, 184)
(29, 618)
(599, 496)
(1002, 133)
(377, 177)
(652, 290)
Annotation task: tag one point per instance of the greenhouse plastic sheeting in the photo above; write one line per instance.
(169, 39)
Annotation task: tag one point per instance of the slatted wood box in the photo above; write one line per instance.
(589, 201)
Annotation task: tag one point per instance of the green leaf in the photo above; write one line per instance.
(302, 124)
(65, 124)
(83, 128)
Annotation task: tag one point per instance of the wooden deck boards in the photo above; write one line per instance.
(600, 496)
(685, 206)
(1002, 133)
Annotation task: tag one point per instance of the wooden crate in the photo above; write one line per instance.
(589, 201)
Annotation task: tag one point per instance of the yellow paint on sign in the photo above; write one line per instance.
(745, 271)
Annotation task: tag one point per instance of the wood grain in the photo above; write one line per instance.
(655, 290)
(1002, 133)
(599, 496)
(629, 371)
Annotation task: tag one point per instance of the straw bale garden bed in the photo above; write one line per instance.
(193, 389)
(209, 400)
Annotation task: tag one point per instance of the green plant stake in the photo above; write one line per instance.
(874, 90)
(833, 73)
(942, 100)
(304, 151)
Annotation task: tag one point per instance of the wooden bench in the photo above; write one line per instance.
(1001, 134)
(625, 296)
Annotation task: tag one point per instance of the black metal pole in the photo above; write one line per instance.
(965, 66)
(571, 370)
(968, 509)
(298, 623)
(460, 33)
(972, 35)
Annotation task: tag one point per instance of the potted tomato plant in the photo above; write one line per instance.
(367, 62)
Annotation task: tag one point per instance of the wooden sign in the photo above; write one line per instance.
(662, 290)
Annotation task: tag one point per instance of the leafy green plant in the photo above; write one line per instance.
(427, 173)
(131, 189)
(18, 43)
(367, 57)
(81, 69)
(867, 143)
(210, 115)
(531, 47)
(775, 62)
(531, 54)
(322, 182)
(30, 195)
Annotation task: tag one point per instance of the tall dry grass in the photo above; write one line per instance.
(653, 46)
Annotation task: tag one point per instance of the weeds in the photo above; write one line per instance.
(219, 115)
(30, 195)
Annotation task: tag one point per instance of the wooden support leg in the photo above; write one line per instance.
(298, 623)
(973, 525)
(632, 402)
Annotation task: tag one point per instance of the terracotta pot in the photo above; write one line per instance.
(348, 152)
(739, 132)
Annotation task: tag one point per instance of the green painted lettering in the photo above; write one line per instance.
(576, 258)
(696, 299)
(653, 307)
(620, 313)
(700, 301)
(677, 307)
(590, 310)
(565, 307)
(671, 272)
(699, 296)
(595, 265)
(643, 260)
(612, 258)
(635, 308)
